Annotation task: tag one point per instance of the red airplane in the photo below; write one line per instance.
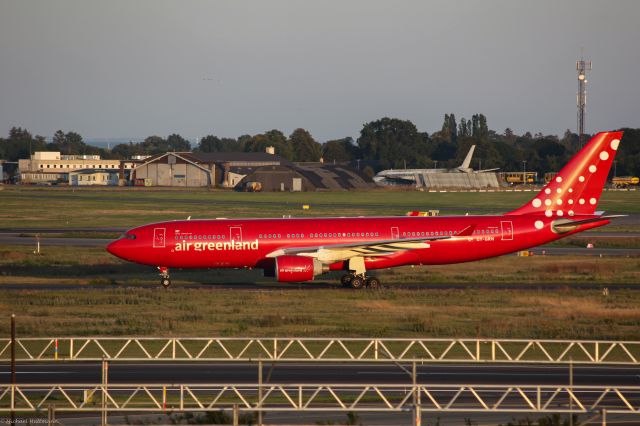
(294, 250)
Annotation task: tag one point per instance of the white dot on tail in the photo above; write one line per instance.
(570, 201)
(614, 144)
(581, 201)
(581, 178)
(592, 168)
(548, 213)
(559, 190)
(560, 212)
(570, 190)
(571, 213)
(547, 202)
(559, 202)
(558, 179)
(539, 224)
(604, 155)
(536, 202)
(593, 201)
(547, 191)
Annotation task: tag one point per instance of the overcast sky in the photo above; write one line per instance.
(137, 68)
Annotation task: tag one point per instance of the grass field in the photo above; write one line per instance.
(470, 312)
(550, 306)
(129, 207)
(93, 265)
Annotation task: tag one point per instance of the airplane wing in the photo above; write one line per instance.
(335, 252)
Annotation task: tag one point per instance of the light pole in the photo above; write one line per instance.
(524, 171)
(435, 164)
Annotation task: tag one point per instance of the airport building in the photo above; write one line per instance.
(49, 167)
(245, 171)
(88, 177)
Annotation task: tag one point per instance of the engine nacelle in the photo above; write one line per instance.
(297, 268)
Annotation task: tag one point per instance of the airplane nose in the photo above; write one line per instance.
(115, 248)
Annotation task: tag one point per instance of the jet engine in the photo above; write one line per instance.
(297, 268)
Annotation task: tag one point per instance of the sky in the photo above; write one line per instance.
(130, 69)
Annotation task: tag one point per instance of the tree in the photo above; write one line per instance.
(177, 143)
(60, 142)
(304, 147)
(20, 144)
(464, 128)
(74, 143)
(125, 151)
(450, 128)
(342, 150)
(212, 143)
(393, 143)
(274, 138)
(479, 128)
(154, 145)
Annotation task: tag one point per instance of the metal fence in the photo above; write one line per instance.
(318, 397)
(323, 349)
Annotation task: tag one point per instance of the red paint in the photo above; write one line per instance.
(235, 243)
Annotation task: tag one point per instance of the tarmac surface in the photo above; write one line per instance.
(329, 373)
(319, 373)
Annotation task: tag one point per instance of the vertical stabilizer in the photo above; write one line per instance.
(467, 160)
(577, 187)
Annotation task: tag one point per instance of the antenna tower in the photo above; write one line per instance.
(582, 67)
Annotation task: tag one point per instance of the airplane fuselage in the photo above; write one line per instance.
(247, 243)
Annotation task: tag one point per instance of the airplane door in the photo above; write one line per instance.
(395, 233)
(235, 233)
(507, 230)
(159, 237)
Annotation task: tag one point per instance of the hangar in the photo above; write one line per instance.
(244, 171)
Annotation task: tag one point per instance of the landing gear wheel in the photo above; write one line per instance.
(165, 281)
(345, 280)
(373, 283)
(357, 282)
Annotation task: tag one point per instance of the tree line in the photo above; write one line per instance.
(383, 144)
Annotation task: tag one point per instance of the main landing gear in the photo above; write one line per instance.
(357, 282)
(165, 281)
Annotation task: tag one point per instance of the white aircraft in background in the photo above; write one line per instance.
(408, 176)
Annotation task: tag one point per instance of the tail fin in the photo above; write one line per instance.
(467, 160)
(578, 186)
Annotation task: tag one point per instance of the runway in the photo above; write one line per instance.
(322, 373)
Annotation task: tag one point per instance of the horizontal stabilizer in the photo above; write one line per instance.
(567, 225)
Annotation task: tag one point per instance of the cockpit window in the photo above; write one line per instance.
(128, 236)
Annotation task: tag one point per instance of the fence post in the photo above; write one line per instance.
(105, 382)
(417, 414)
(260, 392)
(235, 415)
(51, 415)
(13, 369)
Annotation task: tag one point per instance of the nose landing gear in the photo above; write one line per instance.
(165, 281)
